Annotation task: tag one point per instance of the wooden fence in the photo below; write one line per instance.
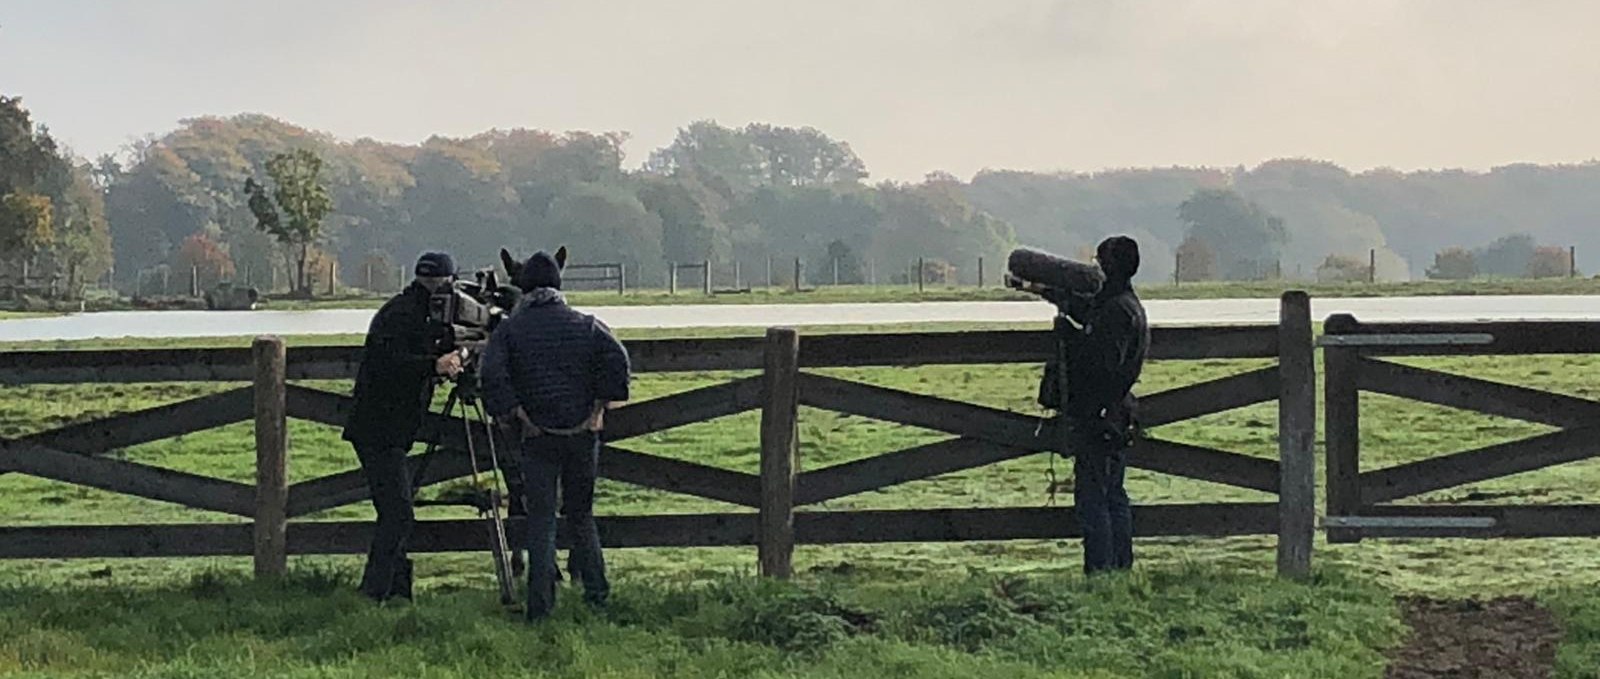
(769, 500)
(1361, 503)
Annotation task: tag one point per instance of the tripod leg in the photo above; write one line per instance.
(497, 544)
(497, 528)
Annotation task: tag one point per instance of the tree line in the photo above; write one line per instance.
(53, 229)
(197, 199)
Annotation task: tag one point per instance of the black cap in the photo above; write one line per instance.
(435, 265)
(541, 271)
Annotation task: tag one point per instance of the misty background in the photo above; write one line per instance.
(1412, 128)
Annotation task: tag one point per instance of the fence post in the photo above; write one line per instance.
(272, 448)
(1372, 266)
(1572, 261)
(872, 272)
(836, 272)
(1297, 435)
(672, 278)
(980, 272)
(797, 273)
(736, 285)
(769, 271)
(779, 434)
(705, 276)
(1342, 426)
(622, 278)
(922, 273)
(1177, 268)
(194, 280)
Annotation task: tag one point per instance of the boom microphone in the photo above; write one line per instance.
(1044, 269)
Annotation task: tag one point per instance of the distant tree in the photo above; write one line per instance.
(1453, 264)
(721, 158)
(598, 221)
(207, 259)
(82, 235)
(1248, 240)
(847, 259)
(1197, 261)
(691, 223)
(26, 224)
(1508, 256)
(293, 212)
(1549, 261)
(1343, 269)
(803, 156)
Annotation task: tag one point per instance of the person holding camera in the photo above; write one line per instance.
(394, 388)
(1106, 337)
(549, 374)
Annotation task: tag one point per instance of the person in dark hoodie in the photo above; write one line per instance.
(549, 373)
(394, 388)
(1107, 337)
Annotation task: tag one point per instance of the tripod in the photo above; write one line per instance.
(464, 393)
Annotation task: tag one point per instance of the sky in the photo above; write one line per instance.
(914, 86)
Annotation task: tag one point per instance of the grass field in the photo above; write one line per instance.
(1195, 607)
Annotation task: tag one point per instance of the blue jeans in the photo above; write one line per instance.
(1102, 505)
(570, 462)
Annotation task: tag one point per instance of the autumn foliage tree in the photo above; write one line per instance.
(1549, 261)
(205, 258)
(25, 224)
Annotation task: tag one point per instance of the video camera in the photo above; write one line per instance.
(467, 312)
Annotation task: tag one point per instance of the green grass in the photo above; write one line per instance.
(877, 577)
(1185, 622)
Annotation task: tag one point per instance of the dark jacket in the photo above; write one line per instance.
(395, 383)
(554, 361)
(1105, 357)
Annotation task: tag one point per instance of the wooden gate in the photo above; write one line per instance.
(1360, 503)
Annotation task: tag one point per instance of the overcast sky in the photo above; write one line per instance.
(914, 86)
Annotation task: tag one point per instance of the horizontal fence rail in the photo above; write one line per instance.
(647, 356)
(762, 507)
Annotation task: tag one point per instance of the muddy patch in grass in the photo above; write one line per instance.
(1510, 637)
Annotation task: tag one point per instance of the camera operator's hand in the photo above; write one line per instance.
(448, 365)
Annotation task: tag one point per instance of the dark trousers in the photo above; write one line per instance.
(1102, 505)
(570, 464)
(388, 571)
